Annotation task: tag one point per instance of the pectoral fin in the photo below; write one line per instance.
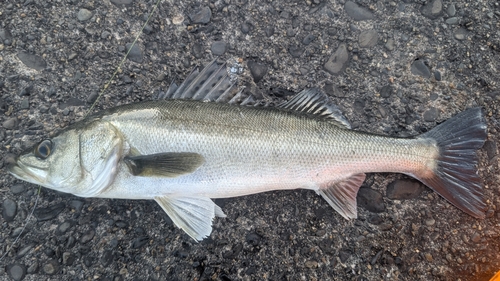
(341, 195)
(194, 215)
(169, 164)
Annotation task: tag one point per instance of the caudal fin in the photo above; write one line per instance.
(455, 176)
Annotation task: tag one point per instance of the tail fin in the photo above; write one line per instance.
(455, 176)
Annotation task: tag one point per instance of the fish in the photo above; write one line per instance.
(207, 139)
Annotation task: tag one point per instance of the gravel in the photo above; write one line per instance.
(418, 64)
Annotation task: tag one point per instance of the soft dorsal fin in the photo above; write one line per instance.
(313, 101)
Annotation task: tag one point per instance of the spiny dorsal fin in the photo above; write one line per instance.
(313, 101)
(213, 83)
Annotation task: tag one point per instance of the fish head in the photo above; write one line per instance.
(81, 160)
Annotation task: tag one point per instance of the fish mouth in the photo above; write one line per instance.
(22, 172)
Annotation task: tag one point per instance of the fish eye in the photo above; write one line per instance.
(43, 149)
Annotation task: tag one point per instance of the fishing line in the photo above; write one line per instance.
(24, 226)
(122, 61)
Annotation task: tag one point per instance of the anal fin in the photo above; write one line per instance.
(194, 215)
(341, 195)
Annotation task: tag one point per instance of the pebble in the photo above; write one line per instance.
(89, 235)
(389, 45)
(51, 267)
(197, 50)
(24, 250)
(16, 271)
(84, 15)
(386, 91)
(418, 67)
(368, 38)
(475, 237)
(491, 148)
(431, 114)
(202, 16)
(432, 9)
(245, 28)
(62, 228)
(428, 257)
(258, 70)
(218, 48)
(460, 34)
(338, 61)
(295, 51)
(356, 12)
(17, 188)
(375, 219)
(32, 61)
(135, 53)
(311, 264)
(33, 268)
(430, 222)
(451, 11)
(269, 31)
(44, 214)
(370, 200)
(404, 189)
(122, 2)
(9, 210)
(11, 123)
(308, 39)
(67, 258)
(139, 242)
(25, 104)
(107, 258)
(437, 75)
(452, 21)
(376, 257)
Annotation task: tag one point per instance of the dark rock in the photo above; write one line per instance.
(344, 255)
(389, 45)
(51, 267)
(76, 205)
(25, 104)
(308, 39)
(62, 228)
(432, 9)
(135, 53)
(437, 75)
(32, 61)
(386, 91)
(67, 258)
(491, 148)
(197, 50)
(218, 48)
(418, 67)
(107, 258)
(451, 11)
(5, 34)
(338, 61)
(431, 114)
(356, 12)
(253, 239)
(9, 210)
(84, 15)
(269, 31)
(121, 224)
(17, 188)
(368, 38)
(24, 250)
(370, 200)
(460, 34)
(375, 219)
(404, 189)
(202, 16)
(89, 235)
(44, 214)
(295, 51)
(452, 21)
(245, 28)
(26, 91)
(10, 123)
(257, 70)
(122, 2)
(16, 271)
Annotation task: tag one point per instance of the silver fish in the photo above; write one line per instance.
(183, 151)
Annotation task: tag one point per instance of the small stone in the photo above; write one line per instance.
(404, 189)
(428, 257)
(370, 200)
(67, 258)
(62, 228)
(308, 39)
(269, 31)
(197, 50)
(9, 210)
(311, 264)
(139, 242)
(24, 250)
(257, 70)
(451, 11)
(203, 16)
(51, 267)
(432, 9)
(368, 38)
(245, 28)
(430, 222)
(10, 123)
(89, 235)
(17, 188)
(460, 34)
(16, 271)
(84, 15)
(218, 48)
(452, 21)
(338, 61)
(178, 19)
(33, 268)
(135, 53)
(122, 2)
(418, 67)
(475, 237)
(437, 75)
(356, 12)
(44, 214)
(25, 104)
(76, 205)
(32, 61)
(105, 34)
(491, 148)
(107, 258)
(295, 51)
(389, 45)
(386, 91)
(431, 115)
